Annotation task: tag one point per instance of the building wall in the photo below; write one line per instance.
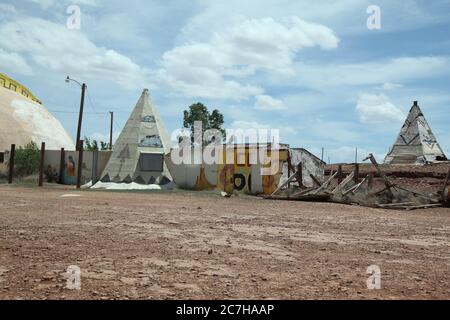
(238, 175)
(52, 162)
(310, 165)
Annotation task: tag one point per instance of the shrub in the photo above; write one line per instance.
(26, 160)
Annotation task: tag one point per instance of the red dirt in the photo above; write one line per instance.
(201, 246)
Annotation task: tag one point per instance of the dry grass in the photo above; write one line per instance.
(27, 180)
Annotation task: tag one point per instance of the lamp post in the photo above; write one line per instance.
(80, 116)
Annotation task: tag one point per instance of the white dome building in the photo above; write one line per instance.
(24, 119)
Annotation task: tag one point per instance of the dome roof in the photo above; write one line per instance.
(10, 84)
(23, 119)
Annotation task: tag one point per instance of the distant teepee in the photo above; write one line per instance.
(138, 154)
(416, 143)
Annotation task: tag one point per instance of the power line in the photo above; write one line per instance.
(74, 112)
(93, 108)
(94, 111)
(90, 100)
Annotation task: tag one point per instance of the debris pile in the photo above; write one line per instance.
(351, 190)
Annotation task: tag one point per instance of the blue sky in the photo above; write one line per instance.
(313, 70)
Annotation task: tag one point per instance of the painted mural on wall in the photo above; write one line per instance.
(153, 141)
(240, 176)
(69, 173)
(70, 166)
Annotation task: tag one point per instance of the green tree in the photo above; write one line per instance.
(104, 145)
(26, 160)
(92, 144)
(210, 120)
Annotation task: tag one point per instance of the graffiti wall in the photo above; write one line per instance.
(239, 174)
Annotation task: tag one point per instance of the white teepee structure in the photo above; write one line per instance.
(138, 154)
(416, 143)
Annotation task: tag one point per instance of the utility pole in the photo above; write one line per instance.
(111, 130)
(80, 116)
(356, 155)
(322, 154)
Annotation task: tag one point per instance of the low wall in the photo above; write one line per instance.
(241, 176)
(52, 162)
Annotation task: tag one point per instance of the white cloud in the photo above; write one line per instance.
(344, 16)
(389, 86)
(378, 109)
(47, 4)
(242, 124)
(14, 63)
(282, 132)
(265, 102)
(397, 70)
(215, 68)
(7, 9)
(54, 47)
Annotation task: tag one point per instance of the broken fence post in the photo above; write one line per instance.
(11, 163)
(326, 183)
(316, 181)
(61, 167)
(370, 180)
(300, 174)
(284, 184)
(387, 183)
(356, 175)
(80, 163)
(445, 183)
(289, 166)
(343, 183)
(41, 165)
(94, 166)
(339, 176)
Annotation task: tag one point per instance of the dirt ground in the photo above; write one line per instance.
(172, 245)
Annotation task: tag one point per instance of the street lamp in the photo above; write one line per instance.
(80, 116)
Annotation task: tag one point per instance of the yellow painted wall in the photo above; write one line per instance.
(238, 176)
(10, 84)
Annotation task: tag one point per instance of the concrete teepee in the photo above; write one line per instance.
(416, 143)
(138, 154)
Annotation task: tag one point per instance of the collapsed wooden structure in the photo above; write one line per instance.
(352, 190)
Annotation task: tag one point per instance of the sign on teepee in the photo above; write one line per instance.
(416, 143)
(138, 154)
